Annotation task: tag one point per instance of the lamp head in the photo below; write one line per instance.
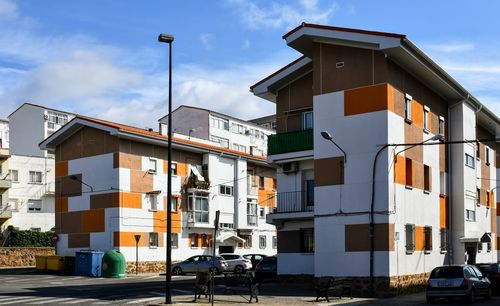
(73, 177)
(166, 38)
(326, 135)
(437, 137)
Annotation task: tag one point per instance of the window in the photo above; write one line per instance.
(275, 184)
(427, 178)
(310, 192)
(426, 118)
(443, 183)
(219, 123)
(409, 172)
(275, 242)
(14, 175)
(248, 240)
(478, 196)
(262, 212)
(153, 201)
(205, 240)
(35, 177)
(441, 125)
(478, 150)
(174, 168)
(444, 239)
(307, 240)
(222, 141)
(226, 225)
(410, 238)
(56, 120)
(173, 204)
(252, 212)
(487, 157)
(307, 120)
(239, 129)
(469, 160)
(262, 242)
(238, 147)
(408, 99)
(152, 165)
(479, 247)
(488, 246)
(261, 182)
(470, 215)
(256, 151)
(34, 205)
(198, 207)
(175, 240)
(428, 239)
(226, 190)
(193, 240)
(153, 240)
(488, 204)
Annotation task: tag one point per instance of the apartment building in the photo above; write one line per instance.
(391, 171)
(111, 184)
(229, 132)
(4, 133)
(31, 170)
(268, 122)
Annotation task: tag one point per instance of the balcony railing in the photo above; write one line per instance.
(295, 201)
(290, 142)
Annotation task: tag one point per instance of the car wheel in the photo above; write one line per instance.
(239, 269)
(488, 295)
(177, 271)
(472, 297)
(213, 270)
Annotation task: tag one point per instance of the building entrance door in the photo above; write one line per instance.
(225, 249)
(471, 252)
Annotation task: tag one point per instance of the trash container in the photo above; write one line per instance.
(55, 263)
(41, 263)
(88, 263)
(69, 265)
(113, 264)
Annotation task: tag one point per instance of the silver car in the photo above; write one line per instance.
(200, 263)
(457, 281)
(237, 263)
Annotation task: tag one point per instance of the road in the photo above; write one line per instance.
(25, 287)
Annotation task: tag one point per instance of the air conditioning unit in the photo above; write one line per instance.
(291, 167)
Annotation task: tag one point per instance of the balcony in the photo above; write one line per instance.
(290, 142)
(292, 205)
(4, 153)
(5, 182)
(5, 212)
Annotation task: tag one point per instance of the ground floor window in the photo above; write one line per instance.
(34, 205)
(193, 240)
(252, 212)
(262, 242)
(153, 240)
(428, 238)
(307, 240)
(198, 207)
(444, 239)
(410, 238)
(275, 242)
(175, 240)
(248, 241)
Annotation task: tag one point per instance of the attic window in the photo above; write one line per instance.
(339, 65)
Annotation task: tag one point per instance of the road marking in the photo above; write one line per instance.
(143, 300)
(13, 298)
(56, 283)
(151, 277)
(53, 300)
(183, 291)
(22, 301)
(79, 301)
(73, 278)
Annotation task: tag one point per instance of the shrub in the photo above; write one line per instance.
(31, 239)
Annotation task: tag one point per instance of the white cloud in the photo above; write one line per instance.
(8, 10)
(279, 16)
(246, 44)
(450, 47)
(207, 41)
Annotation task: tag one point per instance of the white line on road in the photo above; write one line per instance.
(143, 300)
(27, 299)
(182, 291)
(12, 298)
(53, 300)
(79, 301)
(151, 277)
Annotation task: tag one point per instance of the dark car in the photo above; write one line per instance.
(457, 281)
(267, 268)
(492, 272)
(254, 258)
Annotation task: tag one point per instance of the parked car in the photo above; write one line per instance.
(267, 268)
(200, 263)
(236, 262)
(254, 258)
(492, 272)
(457, 281)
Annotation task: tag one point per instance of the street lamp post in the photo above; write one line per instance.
(326, 135)
(166, 38)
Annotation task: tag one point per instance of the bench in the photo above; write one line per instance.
(330, 286)
(202, 285)
(242, 282)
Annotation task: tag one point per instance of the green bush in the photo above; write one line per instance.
(31, 239)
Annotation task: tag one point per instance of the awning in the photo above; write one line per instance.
(196, 172)
(225, 236)
(476, 237)
(154, 192)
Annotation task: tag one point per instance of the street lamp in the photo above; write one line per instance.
(435, 137)
(75, 178)
(326, 135)
(167, 38)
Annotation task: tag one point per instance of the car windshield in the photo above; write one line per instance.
(448, 272)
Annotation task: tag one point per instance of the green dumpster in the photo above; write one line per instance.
(113, 264)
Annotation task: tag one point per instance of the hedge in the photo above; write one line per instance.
(31, 239)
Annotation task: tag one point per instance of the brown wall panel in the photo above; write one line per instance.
(357, 237)
(288, 241)
(398, 98)
(414, 134)
(71, 222)
(128, 161)
(329, 171)
(81, 240)
(141, 181)
(67, 187)
(418, 175)
(103, 200)
(86, 142)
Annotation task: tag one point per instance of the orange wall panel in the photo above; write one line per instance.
(128, 200)
(419, 238)
(443, 212)
(417, 113)
(400, 170)
(62, 168)
(182, 169)
(127, 239)
(367, 99)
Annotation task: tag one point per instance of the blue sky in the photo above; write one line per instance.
(101, 57)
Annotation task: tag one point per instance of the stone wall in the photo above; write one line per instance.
(22, 257)
(384, 286)
(146, 267)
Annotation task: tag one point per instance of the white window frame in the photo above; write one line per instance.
(441, 126)
(11, 176)
(34, 208)
(408, 100)
(410, 238)
(152, 165)
(275, 242)
(224, 142)
(226, 190)
(153, 201)
(153, 240)
(470, 215)
(252, 212)
(175, 241)
(219, 123)
(262, 213)
(173, 169)
(199, 214)
(305, 120)
(426, 118)
(262, 242)
(469, 161)
(35, 175)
